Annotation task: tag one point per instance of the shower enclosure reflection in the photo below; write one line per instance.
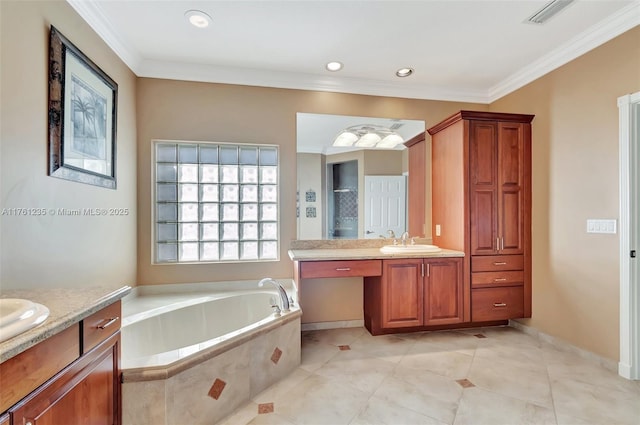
(350, 192)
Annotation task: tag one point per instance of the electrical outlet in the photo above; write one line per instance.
(601, 226)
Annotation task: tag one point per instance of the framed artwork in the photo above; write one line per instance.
(82, 116)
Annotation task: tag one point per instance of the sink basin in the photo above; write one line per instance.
(19, 315)
(409, 249)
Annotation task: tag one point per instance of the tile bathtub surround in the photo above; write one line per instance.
(447, 377)
(212, 389)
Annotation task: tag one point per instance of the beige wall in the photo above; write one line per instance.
(55, 250)
(575, 177)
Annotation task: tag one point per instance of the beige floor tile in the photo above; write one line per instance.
(511, 379)
(382, 412)
(595, 403)
(342, 336)
(446, 363)
(423, 392)
(481, 407)
(411, 379)
(386, 347)
(320, 400)
(314, 354)
(357, 368)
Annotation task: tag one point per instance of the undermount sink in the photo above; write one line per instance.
(19, 315)
(413, 249)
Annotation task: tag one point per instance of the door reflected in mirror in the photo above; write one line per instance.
(352, 192)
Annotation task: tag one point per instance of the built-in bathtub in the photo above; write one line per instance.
(193, 353)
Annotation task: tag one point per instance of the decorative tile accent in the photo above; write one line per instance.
(311, 212)
(480, 335)
(216, 389)
(265, 408)
(275, 357)
(344, 347)
(465, 383)
(310, 196)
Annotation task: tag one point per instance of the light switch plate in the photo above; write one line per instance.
(437, 230)
(601, 226)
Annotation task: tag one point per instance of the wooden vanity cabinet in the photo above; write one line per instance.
(87, 391)
(414, 293)
(485, 158)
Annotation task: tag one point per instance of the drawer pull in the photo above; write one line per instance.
(109, 323)
(343, 269)
(499, 263)
(499, 304)
(500, 279)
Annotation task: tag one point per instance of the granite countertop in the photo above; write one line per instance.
(66, 307)
(357, 249)
(365, 253)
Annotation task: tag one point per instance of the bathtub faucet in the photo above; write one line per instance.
(284, 299)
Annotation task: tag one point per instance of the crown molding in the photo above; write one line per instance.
(611, 27)
(92, 13)
(300, 81)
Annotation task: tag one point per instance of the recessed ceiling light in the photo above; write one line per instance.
(404, 72)
(198, 18)
(334, 66)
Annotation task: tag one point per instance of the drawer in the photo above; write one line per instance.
(100, 325)
(492, 263)
(491, 279)
(35, 366)
(346, 268)
(497, 303)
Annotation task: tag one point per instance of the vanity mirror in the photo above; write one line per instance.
(348, 189)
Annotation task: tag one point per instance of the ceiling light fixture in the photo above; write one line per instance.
(334, 66)
(404, 72)
(368, 136)
(197, 18)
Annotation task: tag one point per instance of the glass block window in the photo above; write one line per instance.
(215, 202)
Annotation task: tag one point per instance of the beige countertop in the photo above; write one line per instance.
(66, 307)
(365, 253)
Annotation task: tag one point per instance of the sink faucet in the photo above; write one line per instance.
(284, 299)
(404, 238)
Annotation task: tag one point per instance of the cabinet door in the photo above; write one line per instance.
(483, 187)
(402, 293)
(511, 187)
(443, 297)
(86, 392)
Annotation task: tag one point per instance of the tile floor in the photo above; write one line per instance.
(478, 376)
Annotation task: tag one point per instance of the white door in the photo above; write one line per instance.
(629, 108)
(385, 200)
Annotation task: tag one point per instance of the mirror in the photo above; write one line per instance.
(350, 192)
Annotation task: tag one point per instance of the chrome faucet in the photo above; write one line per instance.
(284, 299)
(404, 238)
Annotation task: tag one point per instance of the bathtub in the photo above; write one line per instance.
(193, 353)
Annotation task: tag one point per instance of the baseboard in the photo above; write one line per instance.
(317, 326)
(563, 345)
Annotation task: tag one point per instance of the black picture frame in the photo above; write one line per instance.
(83, 103)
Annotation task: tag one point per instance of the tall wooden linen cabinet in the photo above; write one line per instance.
(481, 198)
